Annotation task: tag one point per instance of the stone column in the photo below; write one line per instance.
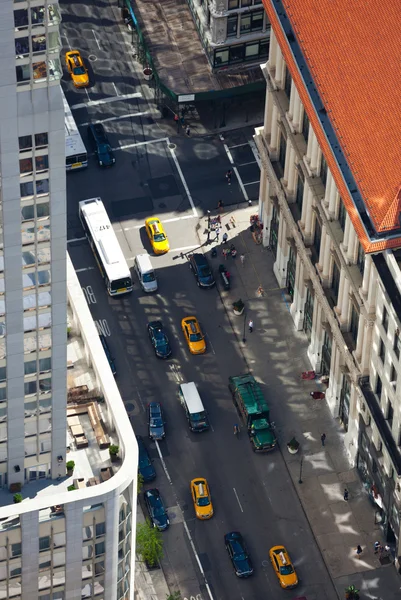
(322, 247)
(292, 100)
(265, 205)
(267, 125)
(310, 145)
(333, 391)
(308, 217)
(346, 234)
(292, 174)
(337, 308)
(280, 266)
(272, 51)
(288, 152)
(314, 160)
(297, 306)
(326, 259)
(367, 345)
(345, 302)
(371, 301)
(315, 343)
(278, 77)
(274, 131)
(297, 117)
(333, 196)
(352, 240)
(366, 275)
(360, 338)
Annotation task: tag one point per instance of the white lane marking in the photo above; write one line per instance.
(105, 100)
(239, 145)
(115, 89)
(163, 463)
(96, 39)
(84, 269)
(184, 183)
(252, 182)
(255, 151)
(128, 116)
(252, 162)
(184, 248)
(67, 40)
(197, 559)
(87, 95)
(210, 344)
(140, 144)
(164, 221)
(140, 399)
(230, 158)
(236, 495)
(76, 239)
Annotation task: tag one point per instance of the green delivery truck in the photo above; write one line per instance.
(251, 405)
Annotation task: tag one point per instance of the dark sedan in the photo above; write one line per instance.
(145, 466)
(159, 339)
(157, 512)
(238, 554)
(156, 421)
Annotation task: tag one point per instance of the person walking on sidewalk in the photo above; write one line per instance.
(250, 325)
(242, 259)
(376, 547)
(217, 230)
(228, 176)
(177, 122)
(225, 237)
(323, 438)
(358, 551)
(188, 130)
(346, 494)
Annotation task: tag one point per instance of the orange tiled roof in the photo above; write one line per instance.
(353, 51)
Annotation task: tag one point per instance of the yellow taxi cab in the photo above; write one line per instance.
(77, 69)
(193, 335)
(283, 567)
(201, 498)
(156, 235)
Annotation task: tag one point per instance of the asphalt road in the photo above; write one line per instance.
(251, 493)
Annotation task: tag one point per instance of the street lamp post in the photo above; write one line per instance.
(300, 469)
(244, 338)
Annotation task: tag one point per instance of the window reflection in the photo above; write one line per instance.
(38, 15)
(21, 18)
(21, 47)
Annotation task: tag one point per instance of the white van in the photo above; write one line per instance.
(145, 272)
(192, 403)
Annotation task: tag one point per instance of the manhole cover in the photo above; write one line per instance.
(172, 146)
(92, 57)
(162, 205)
(130, 407)
(265, 563)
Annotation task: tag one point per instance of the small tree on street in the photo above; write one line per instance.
(174, 596)
(149, 543)
(140, 483)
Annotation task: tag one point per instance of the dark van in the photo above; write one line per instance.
(201, 269)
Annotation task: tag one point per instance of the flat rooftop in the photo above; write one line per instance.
(349, 54)
(177, 52)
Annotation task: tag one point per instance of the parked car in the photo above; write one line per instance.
(145, 465)
(238, 554)
(156, 421)
(159, 339)
(156, 235)
(193, 335)
(283, 567)
(76, 68)
(157, 512)
(200, 267)
(100, 144)
(108, 353)
(201, 498)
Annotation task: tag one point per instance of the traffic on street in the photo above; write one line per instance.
(231, 521)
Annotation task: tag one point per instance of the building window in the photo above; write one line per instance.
(25, 142)
(236, 53)
(232, 4)
(385, 319)
(317, 237)
(287, 83)
(354, 323)
(100, 529)
(232, 26)
(305, 126)
(379, 387)
(323, 171)
(99, 549)
(300, 189)
(342, 215)
(257, 20)
(44, 543)
(251, 50)
(221, 57)
(397, 344)
(390, 414)
(16, 549)
(382, 351)
(335, 281)
(282, 151)
(360, 261)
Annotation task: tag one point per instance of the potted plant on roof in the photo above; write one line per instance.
(70, 467)
(293, 446)
(351, 593)
(238, 307)
(113, 451)
(17, 498)
(148, 73)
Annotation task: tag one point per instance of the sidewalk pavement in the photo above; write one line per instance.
(277, 354)
(149, 585)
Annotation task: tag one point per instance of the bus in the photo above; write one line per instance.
(105, 246)
(76, 156)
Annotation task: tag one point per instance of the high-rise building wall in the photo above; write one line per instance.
(33, 244)
(336, 246)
